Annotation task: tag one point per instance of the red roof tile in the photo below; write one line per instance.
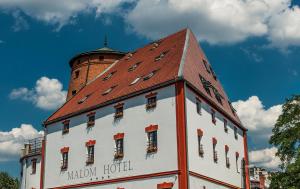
(182, 61)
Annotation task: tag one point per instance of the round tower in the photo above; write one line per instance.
(87, 66)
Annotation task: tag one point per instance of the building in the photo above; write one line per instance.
(156, 118)
(259, 178)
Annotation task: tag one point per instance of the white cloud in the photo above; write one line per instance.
(12, 142)
(265, 158)
(257, 118)
(48, 94)
(58, 12)
(215, 21)
(20, 22)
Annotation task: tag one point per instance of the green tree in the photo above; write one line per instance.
(286, 137)
(7, 182)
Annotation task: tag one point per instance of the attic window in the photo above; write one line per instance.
(84, 99)
(134, 66)
(161, 56)
(109, 90)
(213, 73)
(109, 76)
(218, 96)
(206, 66)
(150, 75)
(135, 81)
(206, 84)
(129, 56)
(155, 45)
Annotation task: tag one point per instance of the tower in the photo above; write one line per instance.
(86, 66)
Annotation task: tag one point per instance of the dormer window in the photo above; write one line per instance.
(76, 75)
(84, 99)
(218, 95)
(206, 66)
(109, 90)
(66, 125)
(119, 141)
(119, 110)
(109, 76)
(150, 75)
(152, 138)
(134, 66)
(213, 73)
(91, 119)
(154, 45)
(206, 84)
(161, 56)
(213, 116)
(151, 101)
(135, 80)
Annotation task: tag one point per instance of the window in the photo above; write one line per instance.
(213, 73)
(134, 66)
(119, 110)
(101, 58)
(165, 185)
(135, 81)
(200, 146)
(225, 126)
(83, 99)
(129, 55)
(76, 74)
(91, 119)
(226, 156)
(206, 85)
(218, 95)
(231, 107)
(198, 106)
(109, 76)
(65, 154)
(151, 101)
(66, 125)
(90, 145)
(213, 116)
(235, 132)
(161, 56)
(154, 45)
(119, 150)
(152, 138)
(150, 75)
(109, 90)
(74, 92)
(33, 166)
(215, 153)
(237, 155)
(206, 66)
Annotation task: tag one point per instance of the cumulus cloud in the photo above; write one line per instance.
(11, 142)
(265, 158)
(257, 118)
(58, 12)
(48, 94)
(214, 21)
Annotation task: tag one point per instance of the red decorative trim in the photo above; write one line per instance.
(67, 121)
(90, 143)
(213, 180)
(237, 155)
(137, 177)
(200, 132)
(42, 164)
(119, 136)
(214, 140)
(246, 161)
(226, 148)
(165, 185)
(151, 128)
(181, 135)
(119, 105)
(64, 149)
(152, 94)
(91, 114)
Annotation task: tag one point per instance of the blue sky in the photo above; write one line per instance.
(250, 58)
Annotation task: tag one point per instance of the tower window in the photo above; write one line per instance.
(66, 125)
(218, 95)
(119, 110)
(101, 58)
(213, 116)
(198, 106)
(74, 92)
(91, 119)
(90, 151)
(200, 145)
(65, 157)
(215, 153)
(33, 166)
(152, 138)
(76, 74)
(151, 101)
(119, 149)
(226, 156)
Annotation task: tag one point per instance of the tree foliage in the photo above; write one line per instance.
(7, 182)
(286, 137)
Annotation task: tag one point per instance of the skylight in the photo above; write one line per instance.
(134, 66)
(109, 76)
(135, 80)
(149, 75)
(83, 99)
(161, 56)
(109, 90)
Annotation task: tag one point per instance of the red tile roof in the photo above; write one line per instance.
(183, 60)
